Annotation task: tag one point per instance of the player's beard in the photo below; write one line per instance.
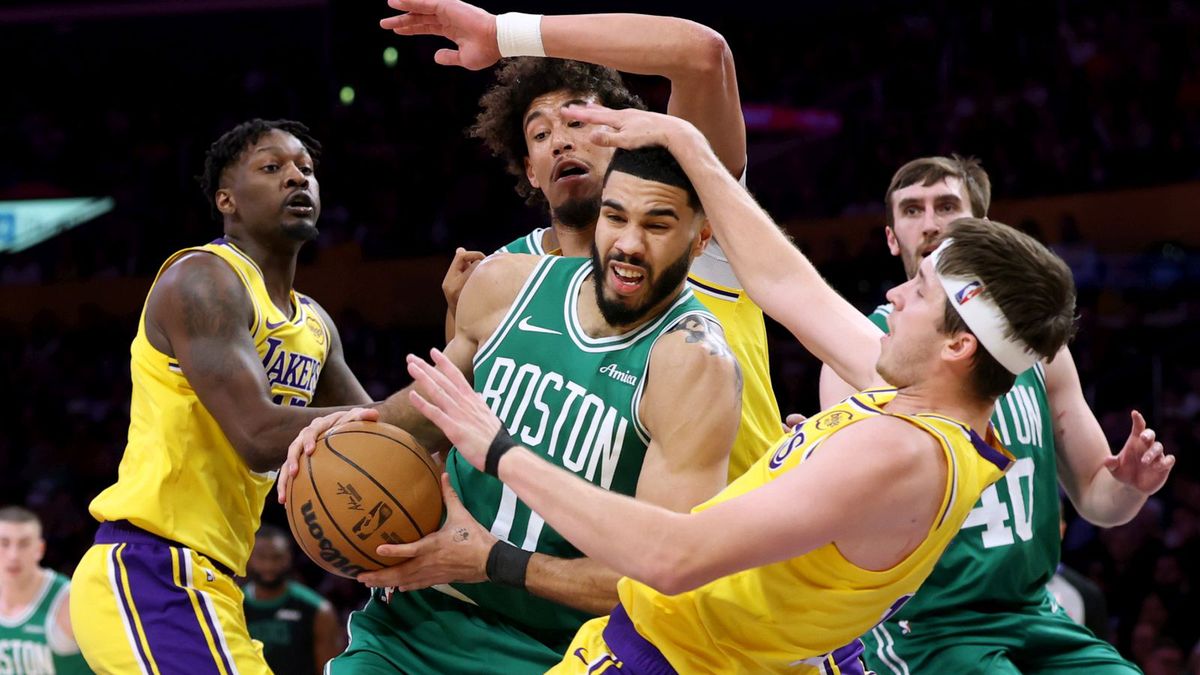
(577, 214)
(617, 313)
(300, 231)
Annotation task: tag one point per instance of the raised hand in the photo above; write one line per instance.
(306, 442)
(472, 30)
(457, 552)
(1141, 464)
(445, 398)
(631, 128)
(460, 270)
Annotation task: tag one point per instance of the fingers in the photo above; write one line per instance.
(450, 497)
(603, 138)
(1112, 462)
(1139, 422)
(434, 414)
(794, 419)
(453, 376)
(1154, 453)
(418, 6)
(400, 550)
(447, 57)
(594, 114)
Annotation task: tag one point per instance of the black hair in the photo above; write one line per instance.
(656, 163)
(229, 147)
(501, 121)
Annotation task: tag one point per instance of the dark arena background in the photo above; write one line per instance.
(1085, 114)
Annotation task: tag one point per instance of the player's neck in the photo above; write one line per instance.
(947, 398)
(278, 265)
(572, 241)
(15, 596)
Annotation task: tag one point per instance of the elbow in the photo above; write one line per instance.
(672, 570)
(711, 55)
(259, 459)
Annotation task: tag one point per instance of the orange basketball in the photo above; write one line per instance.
(365, 484)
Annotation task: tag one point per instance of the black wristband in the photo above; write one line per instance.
(501, 444)
(507, 564)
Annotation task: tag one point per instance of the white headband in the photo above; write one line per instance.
(984, 318)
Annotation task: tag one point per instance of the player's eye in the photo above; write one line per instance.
(271, 168)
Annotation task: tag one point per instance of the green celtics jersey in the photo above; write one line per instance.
(285, 626)
(28, 645)
(569, 397)
(530, 243)
(1008, 547)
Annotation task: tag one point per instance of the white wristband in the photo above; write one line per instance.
(519, 34)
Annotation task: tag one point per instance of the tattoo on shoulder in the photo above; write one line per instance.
(701, 329)
(209, 307)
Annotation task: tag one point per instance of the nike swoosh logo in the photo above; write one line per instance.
(273, 326)
(526, 326)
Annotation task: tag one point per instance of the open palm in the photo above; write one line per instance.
(472, 30)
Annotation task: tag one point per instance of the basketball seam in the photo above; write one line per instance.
(371, 478)
(425, 459)
(332, 521)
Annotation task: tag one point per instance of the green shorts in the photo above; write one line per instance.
(430, 632)
(1041, 639)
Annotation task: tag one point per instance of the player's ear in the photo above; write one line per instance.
(224, 201)
(529, 174)
(705, 235)
(961, 348)
(892, 242)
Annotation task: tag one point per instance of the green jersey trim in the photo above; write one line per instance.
(34, 605)
(610, 343)
(528, 290)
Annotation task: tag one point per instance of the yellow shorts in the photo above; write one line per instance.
(143, 606)
(610, 644)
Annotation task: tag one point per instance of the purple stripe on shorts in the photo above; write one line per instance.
(638, 655)
(211, 620)
(138, 649)
(849, 658)
(167, 616)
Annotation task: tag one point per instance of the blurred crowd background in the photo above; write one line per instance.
(1056, 98)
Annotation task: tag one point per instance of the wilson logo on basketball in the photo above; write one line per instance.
(367, 525)
(329, 552)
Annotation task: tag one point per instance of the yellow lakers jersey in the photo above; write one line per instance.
(746, 334)
(793, 614)
(180, 477)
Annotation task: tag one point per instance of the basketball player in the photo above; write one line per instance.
(555, 164)
(298, 628)
(35, 624)
(986, 607)
(600, 365)
(226, 361)
(838, 526)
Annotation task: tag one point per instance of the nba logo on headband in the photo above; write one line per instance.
(967, 292)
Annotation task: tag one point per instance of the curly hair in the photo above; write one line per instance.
(520, 80)
(229, 147)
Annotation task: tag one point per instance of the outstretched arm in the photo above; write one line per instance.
(778, 277)
(1106, 489)
(695, 58)
(888, 493)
